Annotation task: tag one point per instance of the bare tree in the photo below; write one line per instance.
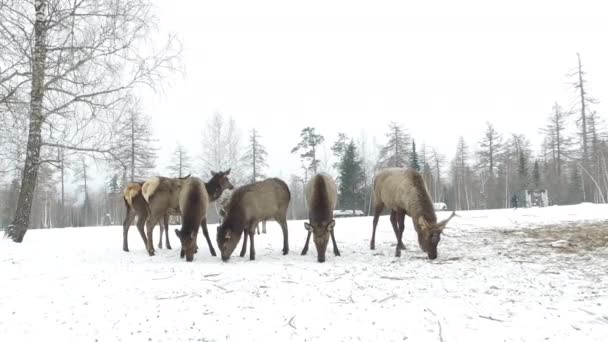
(70, 63)
(255, 157)
(134, 144)
(490, 147)
(222, 147)
(180, 164)
(396, 151)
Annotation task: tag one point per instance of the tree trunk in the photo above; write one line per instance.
(34, 140)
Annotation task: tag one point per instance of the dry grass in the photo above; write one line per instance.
(566, 238)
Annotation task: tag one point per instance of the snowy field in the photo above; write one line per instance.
(501, 275)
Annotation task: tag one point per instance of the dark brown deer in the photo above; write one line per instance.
(137, 206)
(403, 191)
(321, 196)
(248, 205)
(222, 204)
(193, 202)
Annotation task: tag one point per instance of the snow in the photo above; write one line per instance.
(501, 275)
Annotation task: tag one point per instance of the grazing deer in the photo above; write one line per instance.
(248, 205)
(222, 205)
(193, 202)
(404, 192)
(321, 196)
(137, 206)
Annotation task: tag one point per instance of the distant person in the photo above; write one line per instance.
(514, 201)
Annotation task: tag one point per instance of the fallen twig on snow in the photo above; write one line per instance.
(392, 278)
(175, 297)
(211, 275)
(291, 322)
(491, 318)
(438, 323)
(385, 299)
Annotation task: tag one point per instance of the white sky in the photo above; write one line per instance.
(441, 68)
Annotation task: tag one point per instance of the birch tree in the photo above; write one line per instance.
(69, 64)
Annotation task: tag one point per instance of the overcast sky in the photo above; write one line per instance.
(440, 68)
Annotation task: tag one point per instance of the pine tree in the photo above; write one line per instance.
(395, 152)
(351, 179)
(181, 163)
(536, 174)
(255, 157)
(414, 164)
(522, 169)
(338, 148)
(309, 144)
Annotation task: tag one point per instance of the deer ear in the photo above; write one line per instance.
(213, 173)
(308, 226)
(227, 172)
(331, 225)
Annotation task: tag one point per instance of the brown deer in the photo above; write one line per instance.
(193, 202)
(222, 204)
(248, 205)
(137, 206)
(321, 196)
(403, 191)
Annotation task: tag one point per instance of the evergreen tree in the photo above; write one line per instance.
(414, 164)
(351, 179)
(338, 148)
(309, 144)
(522, 169)
(395, 152)
(536, 174)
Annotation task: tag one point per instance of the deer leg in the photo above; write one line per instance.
(125, 228)
(264, 226)
(150, 223)
(251, 245)
(305, 250)
(257, 228)
(283, 222)
(166, 221)
(333, 240)
(244, 248)
(395, 219)
(160, 237)
(377, 210)
(141, 222)
(401, 222)
(206, 233)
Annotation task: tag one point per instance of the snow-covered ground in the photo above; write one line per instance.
(501, 275)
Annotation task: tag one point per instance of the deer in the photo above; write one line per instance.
(137, 206)
(193, 202)
(248, 205)
(321, 196)
(404, 192)
(222, 204)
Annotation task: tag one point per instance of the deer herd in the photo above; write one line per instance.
(242, 209)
